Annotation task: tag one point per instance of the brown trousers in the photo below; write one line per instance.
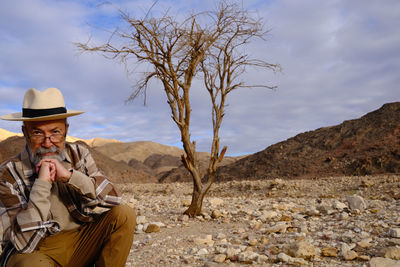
(105, 242)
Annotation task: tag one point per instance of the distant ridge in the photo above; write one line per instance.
(4, 134)
(94, 142)
(368, 145)
(139, 150)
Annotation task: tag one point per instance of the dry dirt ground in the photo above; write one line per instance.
(341, 221)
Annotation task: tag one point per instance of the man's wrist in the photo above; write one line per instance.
(66, 178)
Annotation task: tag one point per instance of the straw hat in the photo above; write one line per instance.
(42, 106)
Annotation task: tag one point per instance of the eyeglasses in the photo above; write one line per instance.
(39, 138)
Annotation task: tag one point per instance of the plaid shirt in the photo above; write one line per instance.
(22, 216)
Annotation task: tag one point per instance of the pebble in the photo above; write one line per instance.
(207, 240)
(365, 243)
(339, 205)
(394, 232)
(152, 228)
(216, 214)
(183, 218)
(141, 219)
(268, 215)
(279, 227)
(247, 256)
(350, 255)
(392, 253)
(329, 252)
(303, 250)
(356, 203)
(202, 252)
(219, 258)
(383, 262)
(291, 260)
(214, 202)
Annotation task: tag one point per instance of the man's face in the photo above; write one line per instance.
(45, 138)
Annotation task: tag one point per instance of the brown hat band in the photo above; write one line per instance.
(33, 113)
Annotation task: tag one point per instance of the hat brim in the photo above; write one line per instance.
(18, 116)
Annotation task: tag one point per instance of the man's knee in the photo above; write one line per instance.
(29, 260)
(124, 215)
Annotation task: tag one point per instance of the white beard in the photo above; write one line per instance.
(37, 157)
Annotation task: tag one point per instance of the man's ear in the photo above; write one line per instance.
(66, 129)
(24, 130)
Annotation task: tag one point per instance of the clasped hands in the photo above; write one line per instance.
(51, 170)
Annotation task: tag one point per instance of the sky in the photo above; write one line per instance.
(340, 59)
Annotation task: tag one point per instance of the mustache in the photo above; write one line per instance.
(38, 155)
(41, 151)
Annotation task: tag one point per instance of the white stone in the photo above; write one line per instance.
(232, 252)
(221, 236)
(219, 258)
(183, 218)
(394, 232)
(215, 201)
(350, 255)
(383, 262)
(216, 214)
(248, 256)
(220, 250)
(192, 251)
(392, 253)
(159, 224)
(141, 219)
(356, 203)
(343, 216)
(280, 227)
(207, 240)
(202, 252)
(284, 257)
(262, 259)
(303, 249)
(365, 243)
(339, 205)
(268, 215)
(344, 248)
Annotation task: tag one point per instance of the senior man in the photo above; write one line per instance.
(52, 196)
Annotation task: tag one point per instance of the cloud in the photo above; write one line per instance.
(340, 60)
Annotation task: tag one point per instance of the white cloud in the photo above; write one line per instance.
(340, 60)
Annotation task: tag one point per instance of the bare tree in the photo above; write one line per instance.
(209, 44)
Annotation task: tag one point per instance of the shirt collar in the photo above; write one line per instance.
(27, 166)
(67, 158)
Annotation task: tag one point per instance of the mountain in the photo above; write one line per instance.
(160, 161)
(181, 174)
(139, 150)
(99, 141)
(368, 145)
(4, 134)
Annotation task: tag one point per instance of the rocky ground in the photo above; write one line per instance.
(346, 221)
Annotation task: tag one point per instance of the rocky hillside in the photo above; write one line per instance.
(368, 145)
(161, 161)
(140, 150)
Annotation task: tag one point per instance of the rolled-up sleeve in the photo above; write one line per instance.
(26, 222)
